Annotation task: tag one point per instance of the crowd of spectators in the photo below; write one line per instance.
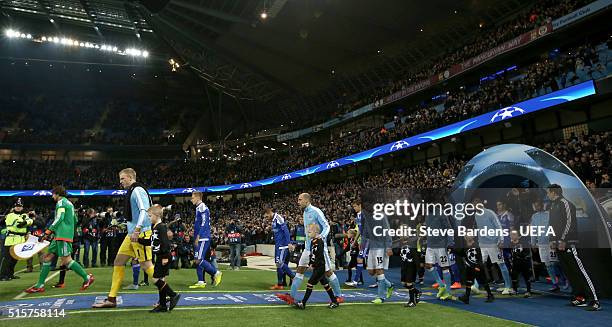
(561, 69)
(587, 155)
(487, 38)
(52, 119)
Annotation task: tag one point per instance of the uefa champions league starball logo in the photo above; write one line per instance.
(285, 177)
(189, 190)
(405, 254)
(333, 164)
(43, 193)
(508, 112)
(245, 185)
(399, 145)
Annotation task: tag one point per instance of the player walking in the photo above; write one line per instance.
(312, 215)
(61, 246)
(202, 242)
(282, 237)
(437, 253)
(137, 244)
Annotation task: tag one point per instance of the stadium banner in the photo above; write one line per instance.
(550, 100)
(515, 43)
(587, 10)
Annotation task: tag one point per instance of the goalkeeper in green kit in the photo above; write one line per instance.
(61, 245)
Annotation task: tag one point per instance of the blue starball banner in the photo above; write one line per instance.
(551, 100)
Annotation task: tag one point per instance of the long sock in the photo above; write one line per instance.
(387, 282)
(448, 280)
(335, 284)
(135, 273)
(297, 282)
(330, 292)
(287, 271)
(439, 270)
(200, 272)
(468, 291)
(488, 289)
(207, 267)
(527, 282)
(506, 275)
(382, 287)
(410, 287)
(62, 277)
(307, 295)
(160, 288)
(169, 291)
(146, 278)
(149, 271)
(163, 294)
(280, 275)
(77, 268)
(350, 274)
(436, 276)
(455, 273)
(44, 272)
(552, 274)
(358, 273)
(118, 274)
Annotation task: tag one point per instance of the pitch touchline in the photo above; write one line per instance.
(231, 307)
(153, 292)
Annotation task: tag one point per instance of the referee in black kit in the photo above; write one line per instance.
(563, 221)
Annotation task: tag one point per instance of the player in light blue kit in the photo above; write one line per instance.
(201, 235)
(312, 215)
(282, 238)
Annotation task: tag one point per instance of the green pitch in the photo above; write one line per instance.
(357, 314)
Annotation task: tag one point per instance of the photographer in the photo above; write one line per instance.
(108, 231)
(90, 237)
(184, 253)
(17, 224)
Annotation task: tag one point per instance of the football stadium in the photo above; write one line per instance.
(305, 162)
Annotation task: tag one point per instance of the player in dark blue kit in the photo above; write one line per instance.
(282, 238)
(201, 234)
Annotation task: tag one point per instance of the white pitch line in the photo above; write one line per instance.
(22, 294)
(180, 291)
(280, 305)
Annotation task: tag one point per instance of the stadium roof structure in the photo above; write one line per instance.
(304, 55)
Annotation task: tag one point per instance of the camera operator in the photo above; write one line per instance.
(90, 237)
(17, 224)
